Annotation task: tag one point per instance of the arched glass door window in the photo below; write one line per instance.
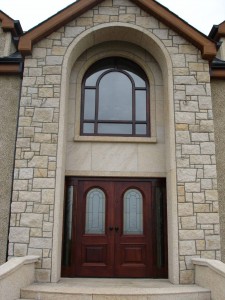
(95, 212)
(133, 212)
(115, 99)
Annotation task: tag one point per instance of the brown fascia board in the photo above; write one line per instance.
(217, 74)
(11, 65)
(202, 42)
(10, 69)
(207, 46)
(8, 24)
(52, 24)
(217, 69)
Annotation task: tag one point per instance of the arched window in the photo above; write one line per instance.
(133, 212)
(115, 99)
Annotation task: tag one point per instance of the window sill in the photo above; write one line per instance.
(114, 139)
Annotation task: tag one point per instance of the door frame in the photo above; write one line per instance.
(159, 272)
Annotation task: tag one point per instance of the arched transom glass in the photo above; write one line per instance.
(115, 99)
(133, 212)
(95, 212)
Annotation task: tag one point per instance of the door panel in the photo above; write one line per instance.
(95, 242)
(131, 259)
(118, 228)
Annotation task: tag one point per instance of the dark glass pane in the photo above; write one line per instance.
(139, 82)
(159, 227)
(140, 106)
(89, 104)
(88, 128)
(104, 128)
(115, 97)
(141, 129)
(95, 212)
(91, 80)
(132, 212)
(68, 226)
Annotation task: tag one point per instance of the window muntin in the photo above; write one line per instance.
(115, 99)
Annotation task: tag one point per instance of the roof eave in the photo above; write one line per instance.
(8, 24)
(11, 65)
(10, 69)
(217, 32)
(52, 24)
(217, 74)
(202, 42)
(217, 70)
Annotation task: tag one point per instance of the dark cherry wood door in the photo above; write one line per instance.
(95, 237)
(113, 230)
(133, 233)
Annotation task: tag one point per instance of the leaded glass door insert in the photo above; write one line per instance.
(133, 212)
(95, 212)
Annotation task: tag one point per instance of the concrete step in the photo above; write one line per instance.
(114, 289)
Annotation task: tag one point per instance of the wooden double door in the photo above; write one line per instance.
(115, 228)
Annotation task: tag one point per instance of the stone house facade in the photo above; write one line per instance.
(186, 75)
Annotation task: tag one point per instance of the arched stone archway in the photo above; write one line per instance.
(152, 44)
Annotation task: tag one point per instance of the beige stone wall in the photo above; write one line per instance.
(43, 98)
(218, 98)
(9, 103)
(126, 156)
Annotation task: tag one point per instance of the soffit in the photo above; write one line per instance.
(202, 42)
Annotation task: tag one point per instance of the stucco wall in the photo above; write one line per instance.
(2, 41)
(218, 98)
(9, 101)
(6, 45)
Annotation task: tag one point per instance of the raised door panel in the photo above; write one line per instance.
(95, 240)
(133, 239)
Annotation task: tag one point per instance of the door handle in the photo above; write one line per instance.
(110, 228)
(116, 229)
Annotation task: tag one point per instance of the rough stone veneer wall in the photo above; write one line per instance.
(34, 183)
(218, 98)
(9, 104)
